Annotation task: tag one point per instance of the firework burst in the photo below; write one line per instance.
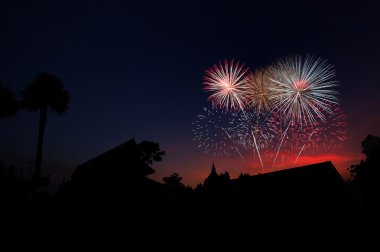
(259, 93)
(228, 85)
(212, 130)
(302, 88)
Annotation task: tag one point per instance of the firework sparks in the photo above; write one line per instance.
(228, 85)
(213, 131)
(280, 145)
(259, 124)
(253, 131)
(302, 88)
(326, 136)
(259, 93)
(291, 137)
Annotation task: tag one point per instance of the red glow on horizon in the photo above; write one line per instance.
(195, 171)
(341, 162)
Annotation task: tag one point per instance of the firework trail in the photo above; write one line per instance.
(326, 135)
(257, 149)
(227, 84)
(213, 130)
(237, 150)
(303, 146)
(279, 146)
(303, 88)
(291, 137)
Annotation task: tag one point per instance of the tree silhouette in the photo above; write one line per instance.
(46, 91)
(371, 148)
(8, 102)
(225, 177)
(174, 181)
(366, 174)
(150, 151)
(367, 168)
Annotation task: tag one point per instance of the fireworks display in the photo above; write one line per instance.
(227, 84)
(286, 109)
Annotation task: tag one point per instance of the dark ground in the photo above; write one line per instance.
(264, 213)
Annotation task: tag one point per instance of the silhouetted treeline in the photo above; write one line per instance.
(109, 203)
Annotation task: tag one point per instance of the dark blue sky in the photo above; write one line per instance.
(134, 69)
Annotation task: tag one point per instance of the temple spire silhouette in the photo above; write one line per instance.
(212, 178)
(213, 170)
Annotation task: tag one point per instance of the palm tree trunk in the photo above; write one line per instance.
(37, 171)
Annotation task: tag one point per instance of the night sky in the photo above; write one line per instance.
(135, 69)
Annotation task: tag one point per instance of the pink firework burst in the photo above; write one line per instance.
(227, 84)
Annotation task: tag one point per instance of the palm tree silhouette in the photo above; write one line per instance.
(8, 102)
(46, 91)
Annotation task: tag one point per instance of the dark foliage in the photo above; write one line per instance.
(174, 181)
(48, 91)
(366, 174)
(150, 151)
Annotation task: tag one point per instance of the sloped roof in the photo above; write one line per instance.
(324, 170)
(121, 160)
(314, 185)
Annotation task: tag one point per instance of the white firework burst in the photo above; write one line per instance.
(228, 85)
(303, 88)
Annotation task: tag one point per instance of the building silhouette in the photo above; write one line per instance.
(117, 173)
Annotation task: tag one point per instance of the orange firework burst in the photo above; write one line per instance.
(259, 94)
